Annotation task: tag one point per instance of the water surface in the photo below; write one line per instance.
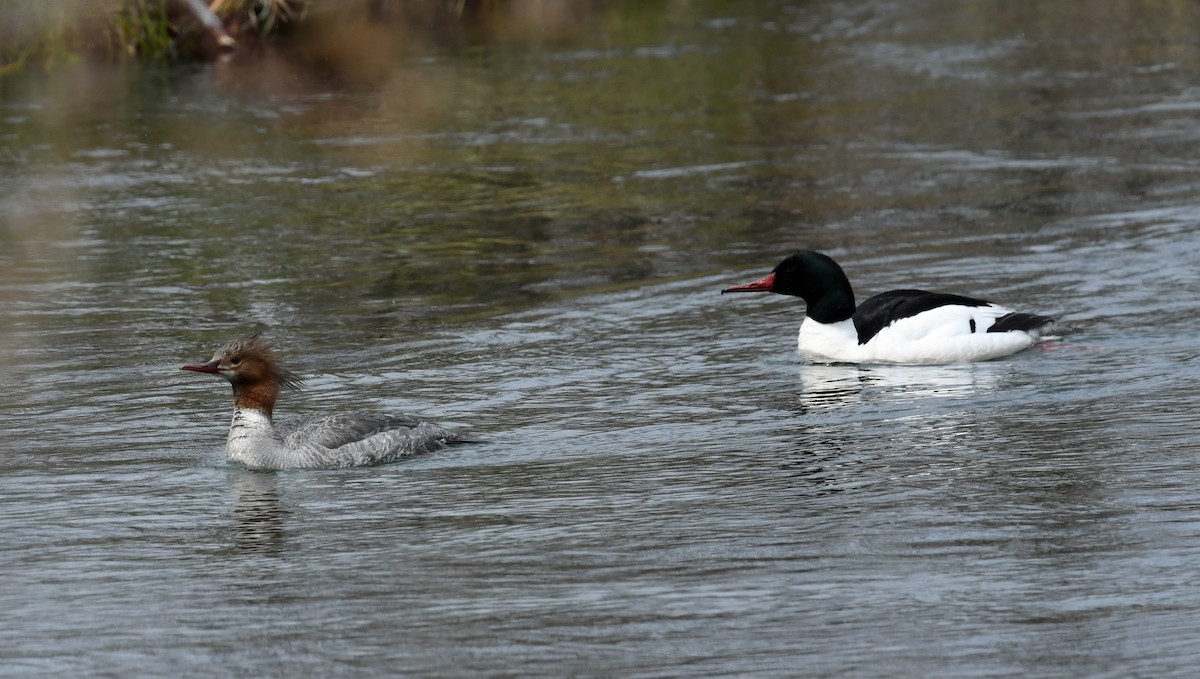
(525, 239)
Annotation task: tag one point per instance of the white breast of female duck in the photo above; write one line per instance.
(947, 334)
(254, 442)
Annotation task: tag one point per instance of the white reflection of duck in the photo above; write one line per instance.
(826, 386)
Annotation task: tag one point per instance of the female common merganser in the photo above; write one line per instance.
(901, 326)
(337, 440)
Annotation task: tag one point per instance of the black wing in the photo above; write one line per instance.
(1018, 321)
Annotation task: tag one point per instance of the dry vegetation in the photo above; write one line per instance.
(40, 34)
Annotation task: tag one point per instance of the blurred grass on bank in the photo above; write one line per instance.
(36, 34)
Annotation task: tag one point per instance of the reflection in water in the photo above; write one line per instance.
(825, 387)
(822, 464)
(258, 513)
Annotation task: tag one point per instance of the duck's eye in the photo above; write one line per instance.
(236, 360)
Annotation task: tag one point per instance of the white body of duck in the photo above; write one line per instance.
(337, 440)
(901, 326)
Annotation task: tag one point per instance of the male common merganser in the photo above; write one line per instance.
(901, 326)
(337, 440)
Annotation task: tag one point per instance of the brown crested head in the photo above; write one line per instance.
(249, 365)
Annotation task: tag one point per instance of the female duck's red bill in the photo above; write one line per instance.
(764, 284)
(210, 367)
